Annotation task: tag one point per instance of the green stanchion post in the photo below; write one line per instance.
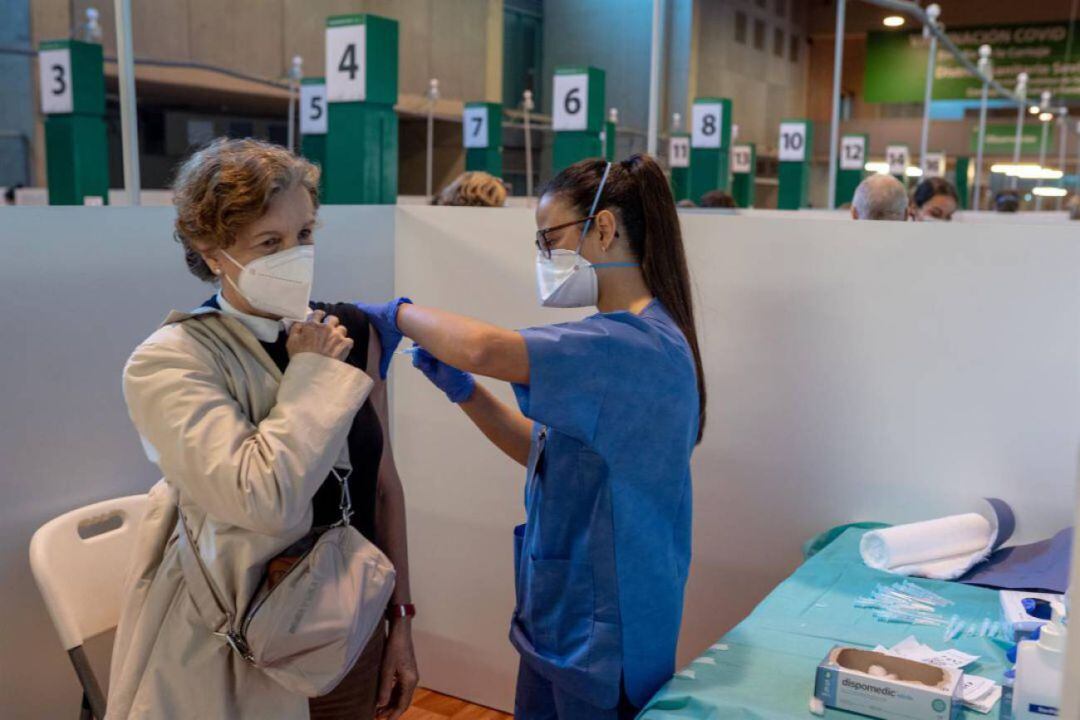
(313, 124)
(743, 174)
(361, 161)
(481, 132)
(796, 139)
(710, 146)
(851, 166)
(577, 115)
(72, 81)
(964, 177)
(679, 161)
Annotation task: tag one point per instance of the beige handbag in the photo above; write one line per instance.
(307, 629)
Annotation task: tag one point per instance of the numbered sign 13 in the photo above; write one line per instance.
(313, 109)
(345, 63)
(792, 142)
(54, 68)
(741, 159)
(571, 102)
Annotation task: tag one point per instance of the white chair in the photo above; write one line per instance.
(80, 561)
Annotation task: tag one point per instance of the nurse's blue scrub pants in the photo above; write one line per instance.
(538, 699)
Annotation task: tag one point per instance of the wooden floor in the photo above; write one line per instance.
(428, 705)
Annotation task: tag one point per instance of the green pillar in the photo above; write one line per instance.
(313, 124)
(851, 166)
(481, 133)
(679, 161)
(361, 155)
(72, 81)
(744, 174)
(796, 139)
(964, 171)
(710, 146)
(898, 158)
(577, 115)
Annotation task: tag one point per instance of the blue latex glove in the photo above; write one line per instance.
(458, 385)
(384, 318)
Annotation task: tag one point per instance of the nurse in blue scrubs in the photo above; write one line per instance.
(609, 411)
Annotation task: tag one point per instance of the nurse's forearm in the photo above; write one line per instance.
(466, 343)
(505, 427)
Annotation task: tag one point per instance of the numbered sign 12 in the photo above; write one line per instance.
(934, 165)
(679, 151)
(792, 141)
(346, 66)
(54, 74)
(475, 127)
(897, 158)
(571, 102)
(853, 152)
(742, 158)
(708, 124)
(313, 109)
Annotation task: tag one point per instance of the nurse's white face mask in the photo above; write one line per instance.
(565, 279)
(278, 284)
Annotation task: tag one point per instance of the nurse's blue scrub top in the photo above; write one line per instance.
(602, 559)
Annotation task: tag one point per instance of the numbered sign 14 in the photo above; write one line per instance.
(792, 142)
(934, 165)
(313, 109)
(345, 63)
(897, 158)
(475, 127)
(741, 159)
(679, 152)
(571, 102)
(853, 152)
(708, 125)
(54, 73)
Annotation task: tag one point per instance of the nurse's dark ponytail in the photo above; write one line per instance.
(638, 190)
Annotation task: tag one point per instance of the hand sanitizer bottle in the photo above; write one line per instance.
(1040, 671)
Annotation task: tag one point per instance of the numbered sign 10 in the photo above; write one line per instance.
(853, 152)
(571, 102)
(54, 75)
(474, 126)
(346, 56)
(792, 142)
(708, 125)
(742, 159)
(313, 109)
(897, 158)
(679, 151)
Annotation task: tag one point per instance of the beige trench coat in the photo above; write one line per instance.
(244, 447)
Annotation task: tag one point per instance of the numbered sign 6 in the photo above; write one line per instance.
(313, 109)
(897, 158)
(679, 152)
(792, 142)
(54, 77)
(345, 63)
(474, 124)
(708, 125)
(852, 152)
(571, 102)
(741, 159)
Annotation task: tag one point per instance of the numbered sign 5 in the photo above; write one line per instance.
(475, 127)
(792, 142)
(312, 109)
(571, 103)
(708, 125)
(54, 76)
(853, 152)
(934, 165)
(897, 158)
(741, 159)
(679, 152)
(345, 63)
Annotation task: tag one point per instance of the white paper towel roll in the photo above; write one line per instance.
(942, 549)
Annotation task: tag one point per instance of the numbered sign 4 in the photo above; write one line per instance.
(679, 152)
(475, 127)
(571, 102)
(54, 74)
(345, 63)
(897, 158)
(853, 152)
(741, 159)
(313, 109)
(792, 142)
(708, 125)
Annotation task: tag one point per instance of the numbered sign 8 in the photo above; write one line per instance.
(345, 63)
(792, 142)
(853, 152)
(741, 159)
(474, 126)
(679, 152)
(54, 77)
(934, 165)
(571, 103)
(897, 158)
(313, 109)
(708, 125)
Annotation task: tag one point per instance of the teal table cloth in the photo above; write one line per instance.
(764, 668)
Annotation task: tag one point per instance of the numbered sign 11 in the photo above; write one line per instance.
(577, 100)
(853, 152)
(793, 141)
(361, 59)
(897, 158)
(313, 112)
(934, 165)
(679, 151)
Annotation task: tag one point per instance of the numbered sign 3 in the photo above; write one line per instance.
(313, 109)
(475, 127)
(345, 63)
(792, 142)
(708, 125)
(571, 102)
(54, 76)
(897, 158)
(741, 159)
(853, 152)
(679, 152)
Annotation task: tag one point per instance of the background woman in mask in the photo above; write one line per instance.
(247, 404)
(610, 409)
(934, 199)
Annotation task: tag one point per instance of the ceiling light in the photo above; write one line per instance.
(881, 168)
(1050, 191)
(893, 21)
(913, 171)
(1034, 109)
(1046, 117)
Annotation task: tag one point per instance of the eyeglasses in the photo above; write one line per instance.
(544, 243)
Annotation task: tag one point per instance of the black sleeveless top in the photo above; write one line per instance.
(365, 437)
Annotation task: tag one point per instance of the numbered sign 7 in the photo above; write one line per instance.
(792, 142)
(571, 102)
(474, 126)
(54, 76)
(345, 63)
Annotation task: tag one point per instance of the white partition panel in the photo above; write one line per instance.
(79, 288)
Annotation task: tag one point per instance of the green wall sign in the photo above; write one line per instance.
(1001, 138)
(896, 62)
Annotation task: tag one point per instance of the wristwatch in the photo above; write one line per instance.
(395, 612)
